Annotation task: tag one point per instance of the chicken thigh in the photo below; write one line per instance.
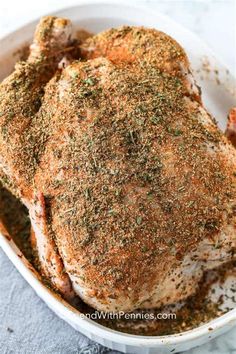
(129, 182)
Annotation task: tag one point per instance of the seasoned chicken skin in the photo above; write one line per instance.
(124, 173)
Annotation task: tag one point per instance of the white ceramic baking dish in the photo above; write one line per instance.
(218, 87)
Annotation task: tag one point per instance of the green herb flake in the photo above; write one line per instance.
(139, 220)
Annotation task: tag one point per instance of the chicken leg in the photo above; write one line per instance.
(21, 114)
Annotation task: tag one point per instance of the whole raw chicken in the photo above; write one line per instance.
(129, 183)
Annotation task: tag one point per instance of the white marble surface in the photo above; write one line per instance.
(215, 22)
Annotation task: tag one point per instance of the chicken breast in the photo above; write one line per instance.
(132, 185)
